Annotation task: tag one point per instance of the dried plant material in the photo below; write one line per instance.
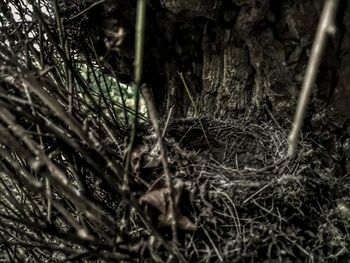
(343, 209)
(136, 159)
(159, 199)
(237, 199)
(115, 38)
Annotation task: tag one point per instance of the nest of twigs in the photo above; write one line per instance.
(251, 204)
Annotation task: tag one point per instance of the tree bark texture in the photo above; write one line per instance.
(235, 54)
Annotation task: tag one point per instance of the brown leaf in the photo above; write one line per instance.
(157, 199)
(160, 200)
(136, 159)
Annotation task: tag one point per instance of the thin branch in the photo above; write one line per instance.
(85, 10)
(194, 106)
(146, 92)
(138, 64)
(326, 27)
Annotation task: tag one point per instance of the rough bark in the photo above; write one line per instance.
(235, 55)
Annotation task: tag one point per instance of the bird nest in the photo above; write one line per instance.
(242, 200)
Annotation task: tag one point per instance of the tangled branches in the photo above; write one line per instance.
(64, 121)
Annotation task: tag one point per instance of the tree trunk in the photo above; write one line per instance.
(236, 55)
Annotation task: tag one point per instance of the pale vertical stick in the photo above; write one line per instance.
(138, 66)
(139, 41)
(325, 27)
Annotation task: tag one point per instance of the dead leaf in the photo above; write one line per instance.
(160, 200)
(136, 159)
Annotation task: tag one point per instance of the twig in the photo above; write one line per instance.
(273, 117)
(167, 121)
(259, 191)
(325, 28)
(57, 175)
(213, 244)
(146, 92)
(139, 49)
(109, 105)
(300, 248)
(269, 212)
(85, 10)
(194, 106)
(75, 73)
(235, 219)
(138, 64)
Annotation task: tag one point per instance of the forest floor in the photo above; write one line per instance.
(237, 198)
(240, 199)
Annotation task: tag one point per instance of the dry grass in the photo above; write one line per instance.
(63, 140)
